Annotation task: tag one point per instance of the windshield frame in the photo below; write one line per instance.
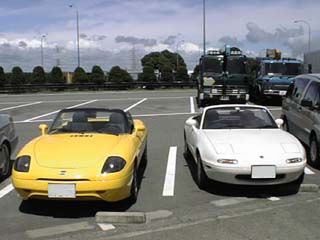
(127, 128)
(273, 124)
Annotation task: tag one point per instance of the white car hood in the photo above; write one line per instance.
(259, 141)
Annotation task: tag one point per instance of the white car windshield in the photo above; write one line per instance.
(238, 118)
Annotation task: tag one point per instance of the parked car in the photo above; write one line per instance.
(301, 113)
(8, 143)
(242, 144)
(87, 153)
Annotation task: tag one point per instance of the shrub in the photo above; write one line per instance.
(97, 75)
(56, 75)
(38, 75)
(80, 76)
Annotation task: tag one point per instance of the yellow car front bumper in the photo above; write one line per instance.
(109, 190)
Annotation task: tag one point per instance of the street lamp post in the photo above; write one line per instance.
(309, 31)
(204, 27)
(177, 48)
(43, 37)
(78, 34)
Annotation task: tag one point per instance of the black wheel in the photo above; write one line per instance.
(314, 152)
(5, 158)
(144, 158)
(202, 178)
(134, 186)
(187, 152)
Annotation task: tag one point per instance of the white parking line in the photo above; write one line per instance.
(308, 171)
(20, 106)
(273, 199)
(134, 105)
(192, 105)
(6, 190)
(168, 188)
(54, 112)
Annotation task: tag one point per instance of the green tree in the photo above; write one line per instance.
(56, 75)
(182, 74)
(2, 76)
(196, 73)
(17, 76)
(147, 74)
(97, 75)
(166, 74)
(38, 75)
(118, 74)
(80, 76)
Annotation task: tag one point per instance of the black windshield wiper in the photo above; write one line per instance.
(104, 132)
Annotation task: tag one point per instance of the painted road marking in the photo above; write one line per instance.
(20, 106)
(273, 199)
(134, 105)
(168, 188)
(50, 231)
(6, 190)
(106, 227)
(192, 105)
(308, 171)
(231, 201)
(54, 112)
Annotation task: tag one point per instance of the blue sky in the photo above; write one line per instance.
(253, 25)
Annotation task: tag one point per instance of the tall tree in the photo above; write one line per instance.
(38, 75)
(56, 75)
(118, 74)
(2, 76)
(80, 76)
(182, 74)
(147, 74)
(17, 76)
(166, 74)
(97, 75)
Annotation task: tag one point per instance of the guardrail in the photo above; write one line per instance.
(93, 87)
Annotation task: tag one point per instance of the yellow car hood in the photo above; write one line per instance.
(70, 151)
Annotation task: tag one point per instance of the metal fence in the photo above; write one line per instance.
(27, 88)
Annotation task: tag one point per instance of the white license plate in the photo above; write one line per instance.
(224, 98)
(283, 93)
(263, 172)
(61, 190)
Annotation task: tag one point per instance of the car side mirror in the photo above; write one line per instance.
(306, 103)
(279, 122)
(191, 122)
(43, 128)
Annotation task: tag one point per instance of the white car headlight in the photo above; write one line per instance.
(294, 160)
(227, 161)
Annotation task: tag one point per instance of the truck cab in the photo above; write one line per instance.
(274, 77)
(222, 77)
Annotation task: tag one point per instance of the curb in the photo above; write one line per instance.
(309, 188)
(120, 217)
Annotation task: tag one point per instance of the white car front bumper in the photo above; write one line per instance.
(242, 175)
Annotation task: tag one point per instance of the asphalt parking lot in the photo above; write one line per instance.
(186, 213)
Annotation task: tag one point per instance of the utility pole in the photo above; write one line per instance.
(78, 34)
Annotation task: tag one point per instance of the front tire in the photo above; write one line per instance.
(187, 152)
(5, 155)
(314, 154)
(202, 179)
(134, 186)
(144, 158)
(285, 125)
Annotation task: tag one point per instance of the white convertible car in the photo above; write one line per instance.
(242, 144)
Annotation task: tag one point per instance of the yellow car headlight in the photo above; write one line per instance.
(113, 164)
(22, 164)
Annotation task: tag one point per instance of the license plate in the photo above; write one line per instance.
(263, 172)
(61, 190)
(224, 98)
(283, 93)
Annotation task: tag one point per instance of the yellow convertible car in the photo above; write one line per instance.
(86, 154)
